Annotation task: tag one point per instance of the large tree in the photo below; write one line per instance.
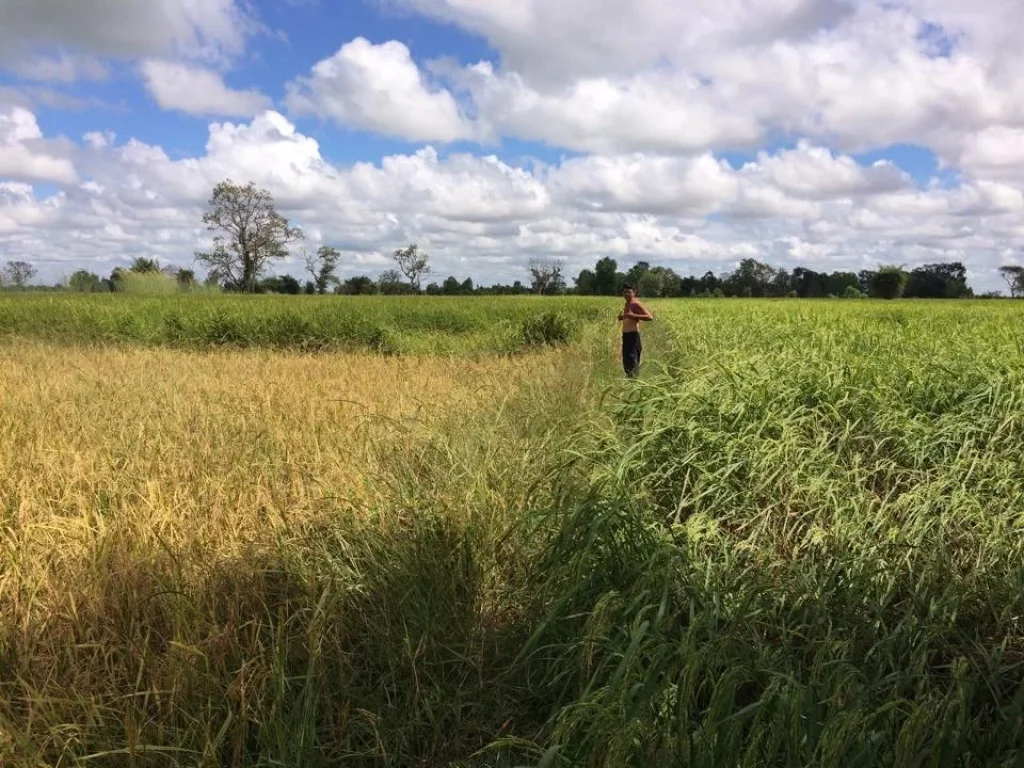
(637, 271)
(322, 266)
(451, 286)
(888, 282)
(390, 283)
(359, 285)
(586, 283)
(413, 264)
(83, 281)
(546, 277)
(143, 266)
(1014, 277)
(606, 277)
(18, 273)
(752, 278)
(938, 281)
(252, 234)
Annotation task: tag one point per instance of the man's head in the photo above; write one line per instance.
(629, 292)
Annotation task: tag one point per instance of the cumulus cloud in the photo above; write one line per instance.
(197, 90)
(656, 95)
(24, 155)
(485, 217)
(19, 210)
(379, 88)
(613, 76)
(561, 42)
(643, 184)
(997, 152)
(817, 173)
(654, 112)
(210, 28)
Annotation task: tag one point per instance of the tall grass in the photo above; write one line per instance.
(801, 544)
(255, 558)
(796, 541)
(148, 284)
(389, 325)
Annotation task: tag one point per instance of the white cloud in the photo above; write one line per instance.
(559, 42)
(381, 89)
(996, 151)
(614, 76)
(207, 28)
(816, 173)
(653, 112)
(196, 90)
(24, 155)
(646, 184)
(19, 210)
(485, 218)
(61, 68)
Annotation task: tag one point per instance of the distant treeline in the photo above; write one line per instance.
(751, 279)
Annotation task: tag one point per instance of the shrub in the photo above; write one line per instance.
(889, 282)
(547, 329)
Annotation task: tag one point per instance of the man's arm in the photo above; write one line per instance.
(638, 311)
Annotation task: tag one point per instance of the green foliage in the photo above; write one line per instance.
(1014, 277)
(17, 274)
(412, 264)
(84, 281)
(150, 310)
(794, 548)
(144, 266)
(606, 277)
(390, 283)
(888, 282)
(938, 281)
(322, 267)
(284, 284)
(148, 283)
(548, 329)
(586, 283)
(797, 545)
(360, 285)
(249, 235)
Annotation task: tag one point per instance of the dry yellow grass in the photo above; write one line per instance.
(214, 449)
(160, 507)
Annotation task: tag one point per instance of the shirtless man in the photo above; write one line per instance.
(631, 316)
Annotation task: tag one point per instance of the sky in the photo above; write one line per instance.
(831, 134)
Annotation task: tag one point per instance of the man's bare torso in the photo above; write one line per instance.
(631, 324)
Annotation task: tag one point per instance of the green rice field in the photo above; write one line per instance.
(322, 531)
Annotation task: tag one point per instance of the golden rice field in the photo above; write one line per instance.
(797, 540)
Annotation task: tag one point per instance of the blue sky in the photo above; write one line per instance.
(821, 133)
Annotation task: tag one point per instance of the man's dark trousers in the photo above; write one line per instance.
(632, 349)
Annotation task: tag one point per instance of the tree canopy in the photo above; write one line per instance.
(252, 234)
(546, 277)
(1014, 277)
(322, 267)
(413, 264)
(17, 273)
